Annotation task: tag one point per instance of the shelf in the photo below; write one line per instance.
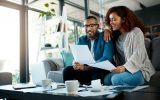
(47, 48)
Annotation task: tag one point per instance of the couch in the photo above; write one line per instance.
(152, 47)
(154, 53)
(5, 78)
(54, 68)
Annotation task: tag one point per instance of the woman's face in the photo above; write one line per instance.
(115, 21)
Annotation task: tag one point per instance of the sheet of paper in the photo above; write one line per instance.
(103, 65)
(82, 54)
(89, 93)
(125, 88)
(138, 88)
(61, 90)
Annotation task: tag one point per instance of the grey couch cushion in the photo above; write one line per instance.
(155, 80)
(5, 78)
(148, 47)
(50, 65)
(155, 57)
(152, 36)
(56, 76)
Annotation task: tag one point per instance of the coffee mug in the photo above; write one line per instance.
(72, 86)
(46, 84)
(96, 86)
(96, 83)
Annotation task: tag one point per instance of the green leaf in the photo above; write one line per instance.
(52, 10)
(43, 14)
(52, 3)
(46, 5)
(40, 15)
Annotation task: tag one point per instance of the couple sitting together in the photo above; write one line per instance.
(123, 45)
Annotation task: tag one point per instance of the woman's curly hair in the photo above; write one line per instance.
(131, 20)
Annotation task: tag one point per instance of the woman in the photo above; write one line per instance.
(133, 65)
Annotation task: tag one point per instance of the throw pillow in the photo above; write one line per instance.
(67, 58)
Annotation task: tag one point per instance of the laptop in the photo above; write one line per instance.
(37, 73)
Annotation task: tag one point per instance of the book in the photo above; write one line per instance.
(82, 54)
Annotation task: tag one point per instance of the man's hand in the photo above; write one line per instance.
(78, 66)
(107, 35)
(119, 69)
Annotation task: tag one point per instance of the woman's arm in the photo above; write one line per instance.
(107, 35)
(135, 51)
(119, 69)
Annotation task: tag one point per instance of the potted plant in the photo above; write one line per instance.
(47, 14)
(50, 10)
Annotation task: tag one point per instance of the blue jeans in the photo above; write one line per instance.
(125, 78)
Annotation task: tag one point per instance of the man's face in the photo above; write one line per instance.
(91, 27)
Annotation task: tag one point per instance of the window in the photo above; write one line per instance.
(75, 30)
(42, 31)
(16, 1)
(75, 13)
(9, 41)
(35, 29)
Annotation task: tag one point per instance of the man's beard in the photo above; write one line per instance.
(91, 36)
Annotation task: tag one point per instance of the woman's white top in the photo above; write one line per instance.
(136, 56)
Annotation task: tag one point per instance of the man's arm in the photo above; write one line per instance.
(82, 40)
(77, 65)
(108, 51)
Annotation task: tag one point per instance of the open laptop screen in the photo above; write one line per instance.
(37, 73)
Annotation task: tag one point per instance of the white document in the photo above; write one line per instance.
(103, 65)
(89, 93)
(82, 55)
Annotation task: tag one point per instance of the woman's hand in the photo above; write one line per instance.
(119, 69)
(107, 35)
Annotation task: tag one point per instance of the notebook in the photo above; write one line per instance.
(37, 73)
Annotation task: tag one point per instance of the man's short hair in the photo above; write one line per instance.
(89, 17)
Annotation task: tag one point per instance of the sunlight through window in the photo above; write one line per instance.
(9, 39)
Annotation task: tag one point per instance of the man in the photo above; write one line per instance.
(100, 50)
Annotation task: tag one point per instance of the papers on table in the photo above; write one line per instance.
(89, 93)
(82, 55)
(83, 93)
(126, 88)
(108, 90)
(86, 92)
(138, 88)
